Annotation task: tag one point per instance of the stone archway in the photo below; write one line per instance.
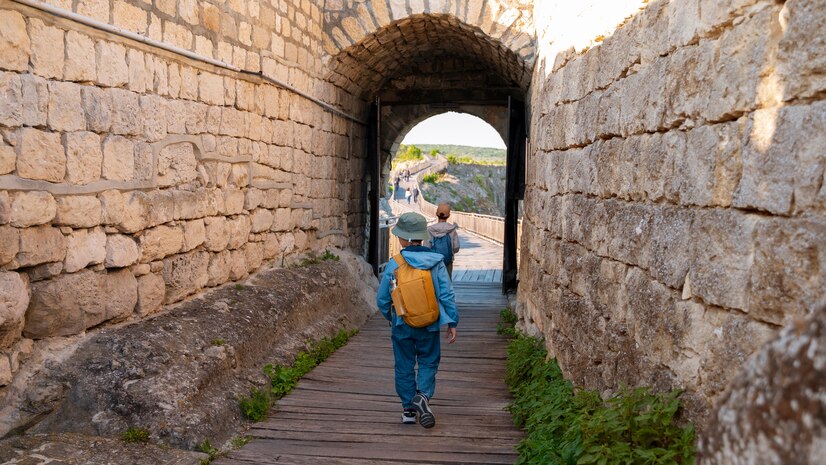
(399, 120)
(415, 59)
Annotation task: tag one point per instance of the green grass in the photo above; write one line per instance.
(218, 342)
(507, 325)
(313, 258)
(406, 153)
(284, 378)
(566, 425)
(433, 178)
(211, 451)
(134, 434)
(240, 441)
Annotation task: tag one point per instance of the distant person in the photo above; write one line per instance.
(415, 195)
(407, 175)
(407, 195)
(417, 298)
(443, 237)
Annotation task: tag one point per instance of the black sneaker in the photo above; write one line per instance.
(426, 418)
(409, 416)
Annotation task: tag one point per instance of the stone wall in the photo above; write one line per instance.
(132, 177)
(675, 215)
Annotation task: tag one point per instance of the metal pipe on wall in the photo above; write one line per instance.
(106, 27)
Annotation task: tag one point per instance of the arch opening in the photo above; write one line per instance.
(428, 64)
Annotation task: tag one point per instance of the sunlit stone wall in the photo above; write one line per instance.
(675, 215)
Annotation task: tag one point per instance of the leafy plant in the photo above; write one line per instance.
(432, 178)
(312, 258)
(134, 434)
(569, 425)
(256, 406)
(211, 451)
(507, 323)
(284, 378)
(240, 441)
(218, 342)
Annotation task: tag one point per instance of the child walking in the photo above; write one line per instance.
(417, 345)
(443, 237)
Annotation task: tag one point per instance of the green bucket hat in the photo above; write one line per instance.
(411, 226)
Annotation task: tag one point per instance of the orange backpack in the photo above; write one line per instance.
(413, 294)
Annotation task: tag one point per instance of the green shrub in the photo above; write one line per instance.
(568, 425)
(284, 378)
(507, 323)
(406, 153)
(134, 434)
(240, 441)
(256, 406)
(432, 178)
(211, 451)
(313, 258)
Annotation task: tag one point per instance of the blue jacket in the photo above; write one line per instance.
(424, 259)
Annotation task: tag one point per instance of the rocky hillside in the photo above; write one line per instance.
(469, 188)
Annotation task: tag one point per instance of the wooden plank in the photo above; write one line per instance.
(346, 412)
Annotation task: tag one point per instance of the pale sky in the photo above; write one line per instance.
(456, 129)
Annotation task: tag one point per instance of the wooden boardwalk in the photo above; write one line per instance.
(479, 260)
(346, 412)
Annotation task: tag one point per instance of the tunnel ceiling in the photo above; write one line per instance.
(416, 45)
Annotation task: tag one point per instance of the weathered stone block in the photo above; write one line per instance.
(283, 220)
(11, 99)
(722, 251)
(118, 159)
(130, 17)
(767, 181)
(177, 165)
(121, 251)
(84, 157)
(126, 113)
(185, 274)
(233, 202)
(261, 220)
(217, 233)
(151, 293)
(44, 271)
(9, 243)
(14, 300)
(218, 268)
(80, 58)
(112, 70)
(789, 270)
(191, 205)
(94, 9)
(160, 242)
(239, 227)
(14, 41)
(29, 208)
(238, 265)
(136, 212)
(8, 159)
(194, 234)
(84, 247)
(211, 88)
(97, 106)
(41, 156)
(82, 211)
(74, 302)
(800, 50)
(46, 49)
(153, 110)
(41, 244)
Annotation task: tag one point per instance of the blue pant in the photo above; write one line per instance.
(412, 345)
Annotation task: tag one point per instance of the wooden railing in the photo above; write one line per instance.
(491, 227)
